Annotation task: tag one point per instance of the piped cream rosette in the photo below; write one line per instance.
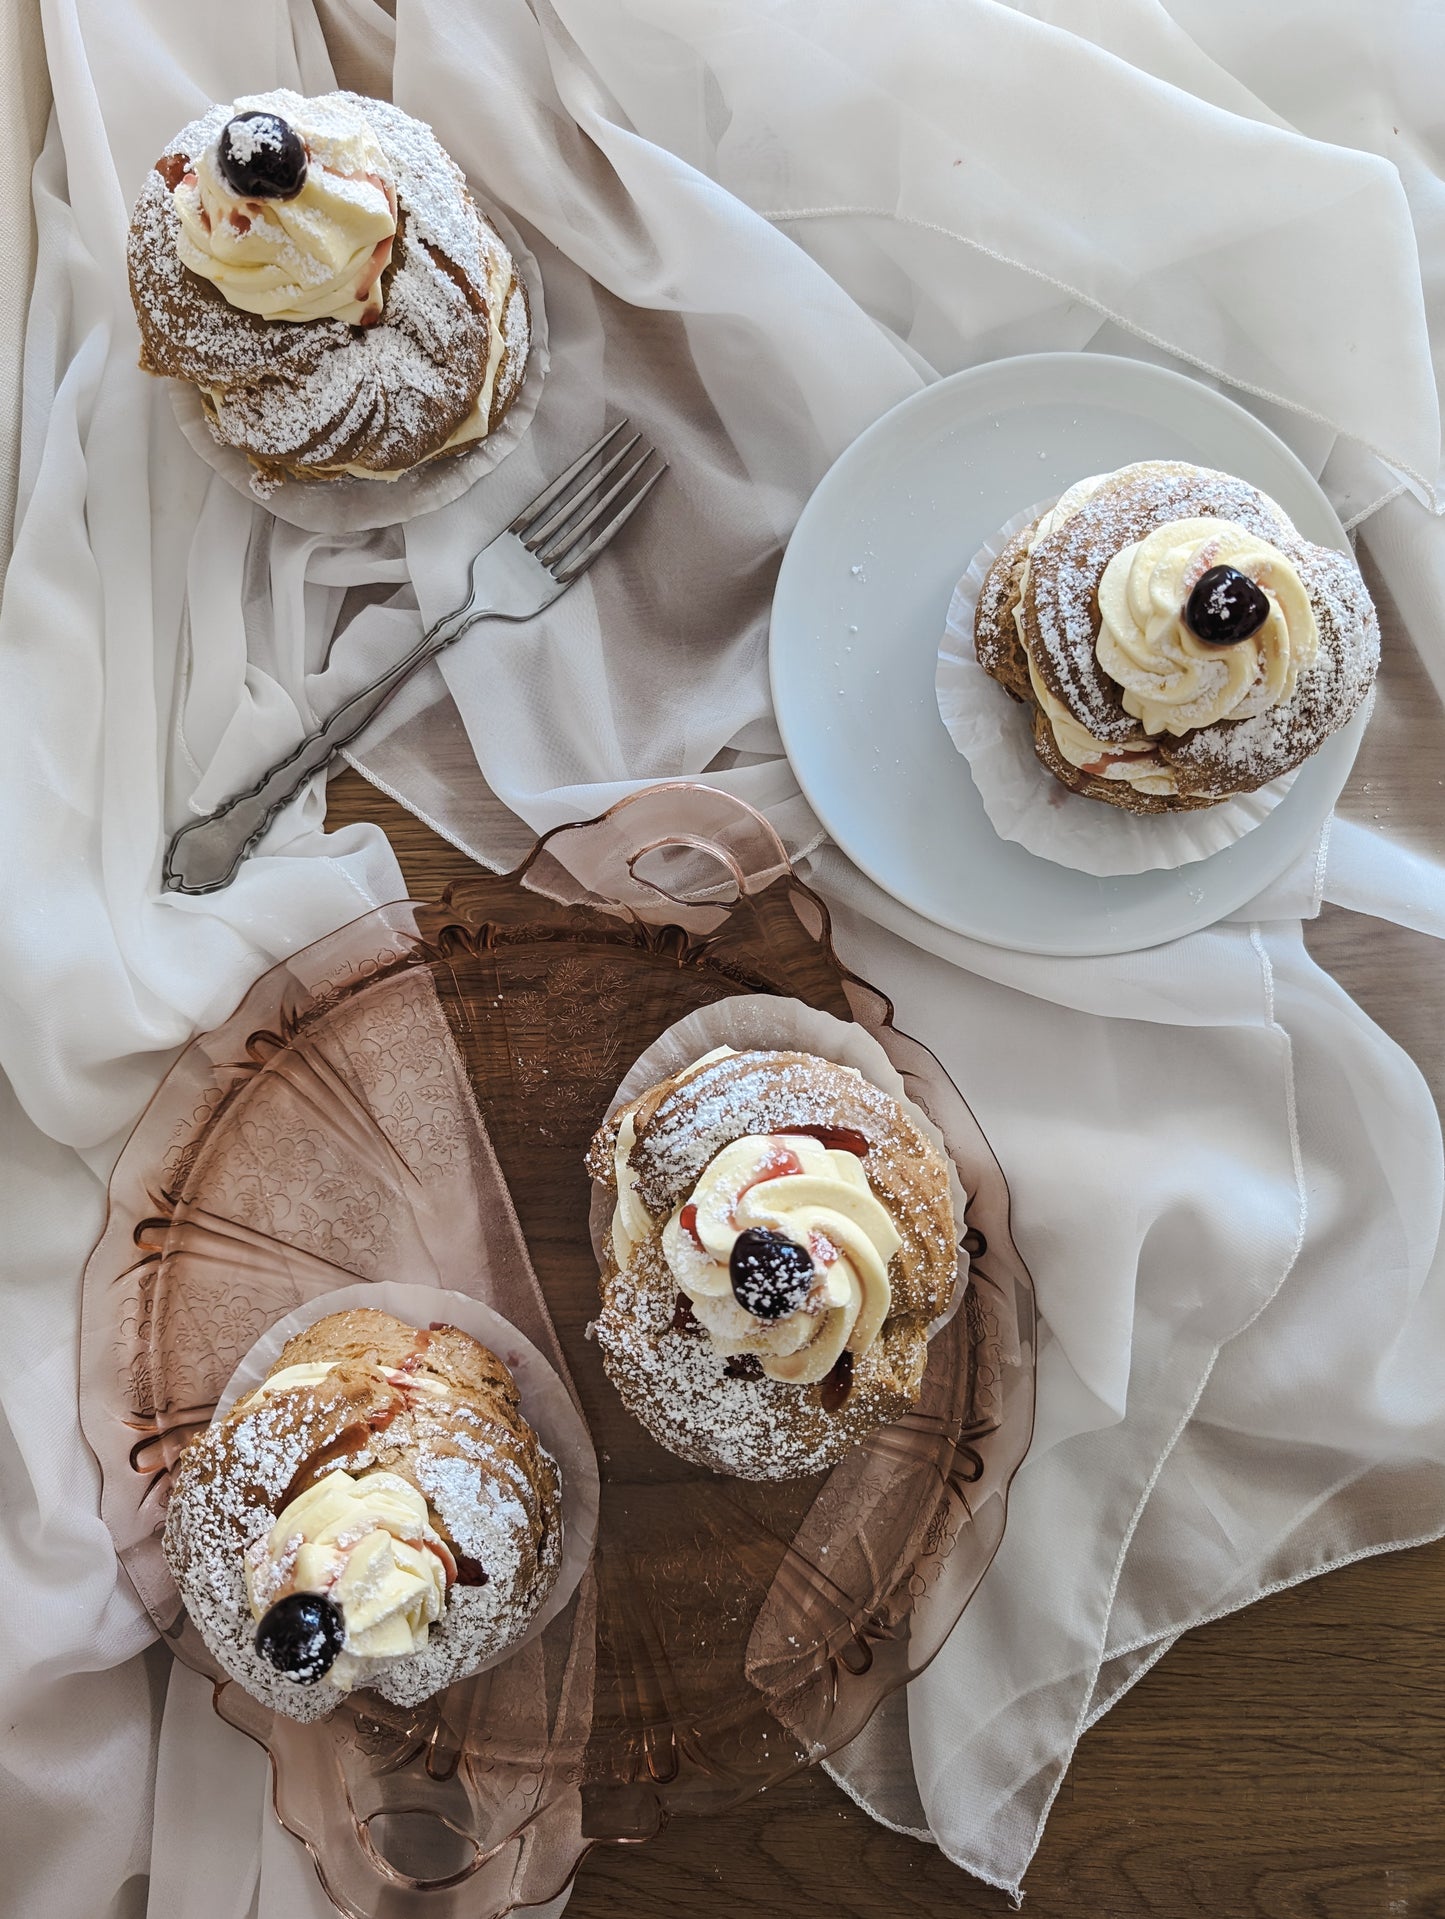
(318, 254)
(826, 1206)
(1169, 679)
(370, 1544)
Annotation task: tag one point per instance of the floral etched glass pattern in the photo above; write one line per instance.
(412, 1098)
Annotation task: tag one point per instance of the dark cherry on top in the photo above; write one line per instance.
(771, 1274)
(262, 157)
(301, 1635)
(1225, 607)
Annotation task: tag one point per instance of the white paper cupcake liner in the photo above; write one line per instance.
(762, 1020)
(359, 506)
(1024, 802)
(546, 1403)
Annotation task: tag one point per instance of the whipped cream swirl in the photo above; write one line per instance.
(1171, 680)
(311, 1372)
(818, 1197)
(368, 1542)
(320, 255)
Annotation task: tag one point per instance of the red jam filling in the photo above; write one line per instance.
(380, 254)
(413, 1359)
(837, 1139)
(836, 1387)
(1106, 760)
(779, 1162)
(441, 1551)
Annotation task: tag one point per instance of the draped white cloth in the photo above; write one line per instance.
(759, 225)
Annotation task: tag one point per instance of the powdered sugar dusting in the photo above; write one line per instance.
(250, 137)
(1061, 621)
(692, 1398)
(495, 1490)
(695, 1403)
(317, 397)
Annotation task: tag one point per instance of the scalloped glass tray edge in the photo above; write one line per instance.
(509, 1010)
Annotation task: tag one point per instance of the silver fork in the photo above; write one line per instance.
(551, 543)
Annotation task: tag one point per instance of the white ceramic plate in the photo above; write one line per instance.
(860, 605)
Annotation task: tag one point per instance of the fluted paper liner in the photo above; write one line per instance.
(1024, 802)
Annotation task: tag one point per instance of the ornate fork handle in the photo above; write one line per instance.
(547, 547)
(204, 853)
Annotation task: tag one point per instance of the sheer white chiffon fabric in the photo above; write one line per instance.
(760, 225)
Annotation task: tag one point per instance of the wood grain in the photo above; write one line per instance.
(1288, 1763)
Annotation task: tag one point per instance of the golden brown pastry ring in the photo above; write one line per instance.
(692, 1400)
(494, 1494)
(1060, 618)
(308, 399)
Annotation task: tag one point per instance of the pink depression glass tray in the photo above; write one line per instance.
(411, 1098)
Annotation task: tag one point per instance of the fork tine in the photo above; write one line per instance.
(548, 494)
(558, 548)
(565, 575)
(540, 535)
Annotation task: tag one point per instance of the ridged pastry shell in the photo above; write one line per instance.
(669, 1376)
(1060, 617)
(310, 399)
(493, 1489)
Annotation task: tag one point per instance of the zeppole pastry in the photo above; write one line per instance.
(783, 1234)
(1176, 639)
(376, 1513)
(318, 269)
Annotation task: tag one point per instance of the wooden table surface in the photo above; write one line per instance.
(1287, 1763)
